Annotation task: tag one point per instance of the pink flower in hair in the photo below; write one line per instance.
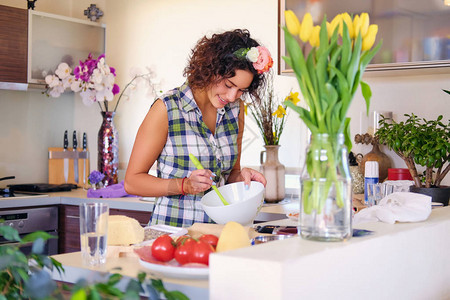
(264, 62)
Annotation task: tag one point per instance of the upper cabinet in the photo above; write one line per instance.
(415, 33)
(13, 45)
(54, 39)
(33, 44)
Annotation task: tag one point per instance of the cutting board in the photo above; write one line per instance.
(56, 166)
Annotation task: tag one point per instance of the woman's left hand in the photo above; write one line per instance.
(252, 175)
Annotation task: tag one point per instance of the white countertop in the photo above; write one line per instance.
(399, 261)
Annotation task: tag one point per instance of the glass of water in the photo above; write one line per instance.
(93, 232)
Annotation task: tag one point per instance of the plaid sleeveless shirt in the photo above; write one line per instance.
(188, 133)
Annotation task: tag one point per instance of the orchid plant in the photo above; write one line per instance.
(95, 81)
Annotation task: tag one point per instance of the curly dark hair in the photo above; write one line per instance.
(213, 59)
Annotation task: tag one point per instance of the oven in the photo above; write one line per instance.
(30, 219)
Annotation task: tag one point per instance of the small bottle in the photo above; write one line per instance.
(371, 175)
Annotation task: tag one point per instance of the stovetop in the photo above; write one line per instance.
(7, 193)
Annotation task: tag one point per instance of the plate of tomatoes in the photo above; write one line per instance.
(183, 257)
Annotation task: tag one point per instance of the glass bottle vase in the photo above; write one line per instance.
(274, 171)
(326, 190)
(108, 149)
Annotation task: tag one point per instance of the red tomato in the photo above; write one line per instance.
(163, 248)
(201, 253)
(210, 239)
(181, 239)
(185, 247)
(192, 251)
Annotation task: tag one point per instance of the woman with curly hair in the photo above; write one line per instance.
(205, 117)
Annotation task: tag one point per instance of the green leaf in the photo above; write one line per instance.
(288, 60)
(367, 94)
(367, 57)
(175, 295)
(347, 134)
(31, 237)
(304, 115)
(354, 62)
(298, 62)
(38, 246)
(9, 233)
(346, 50)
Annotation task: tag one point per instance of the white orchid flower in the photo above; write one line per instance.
(88, 97)
(63, 70)
(75, 85)
(57, 90)
(68, 81)
(105, 94)
(52, 81)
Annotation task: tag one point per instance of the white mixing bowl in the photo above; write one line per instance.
(243, 206)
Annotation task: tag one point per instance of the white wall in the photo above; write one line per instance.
(160, 34)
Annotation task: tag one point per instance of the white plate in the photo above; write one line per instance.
(174, 270)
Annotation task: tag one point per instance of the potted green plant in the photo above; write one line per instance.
(424, 143)
(23, 276)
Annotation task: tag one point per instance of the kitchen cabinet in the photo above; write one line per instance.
(33, 44)
(54, 39)
(69, 225)
(415, 33)
(13, 45)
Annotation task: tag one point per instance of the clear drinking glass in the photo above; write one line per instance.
(375, 192)
(93, 232)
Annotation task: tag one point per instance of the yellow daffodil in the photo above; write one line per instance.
(348, 20)
(293, 97)
(292, 22)
(337, 21)
(364, 23)
(314, 39)
(370, 37)
(280, 112)
(306, 27)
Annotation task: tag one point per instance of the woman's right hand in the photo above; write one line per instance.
(199, 181)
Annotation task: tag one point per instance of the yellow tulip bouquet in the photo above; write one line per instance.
(328, 76)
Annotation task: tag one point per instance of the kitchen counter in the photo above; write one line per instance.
(399, 261)
(268, 212)
(75, 197)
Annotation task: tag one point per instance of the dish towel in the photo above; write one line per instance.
(112, 191)
(400, 207)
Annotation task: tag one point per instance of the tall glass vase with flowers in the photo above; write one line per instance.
(270, 116)
(94, 80)
(328, 76)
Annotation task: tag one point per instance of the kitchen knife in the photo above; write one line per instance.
(84, 161)
(66, 159)
(75, 159)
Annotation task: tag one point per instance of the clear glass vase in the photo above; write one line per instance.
(326, 190)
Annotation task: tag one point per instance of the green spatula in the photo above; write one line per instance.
(199, 166)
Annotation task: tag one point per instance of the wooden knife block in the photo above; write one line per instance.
(56, 165)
